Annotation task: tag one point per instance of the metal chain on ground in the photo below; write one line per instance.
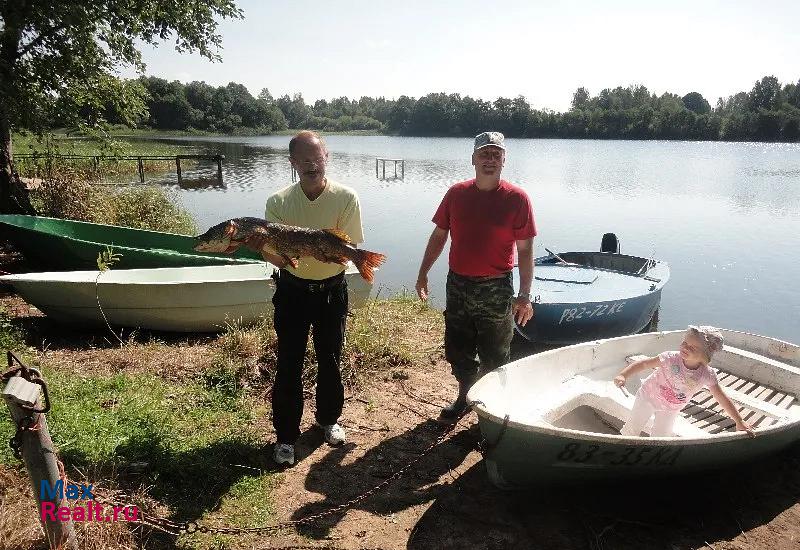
(177, 528)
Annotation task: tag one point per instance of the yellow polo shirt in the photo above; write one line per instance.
(336, 208)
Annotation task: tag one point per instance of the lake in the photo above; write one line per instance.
(726, 216)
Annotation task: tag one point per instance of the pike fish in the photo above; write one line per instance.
(289, 242)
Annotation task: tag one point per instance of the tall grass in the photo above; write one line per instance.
(380, 340)
(70, 195)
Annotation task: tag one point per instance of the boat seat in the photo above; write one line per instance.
(763, 407)
(578, 391)
(604, 396)
(773, 373)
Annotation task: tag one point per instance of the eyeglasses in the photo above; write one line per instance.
(311, 162)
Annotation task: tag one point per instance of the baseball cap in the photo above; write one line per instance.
(486, 139)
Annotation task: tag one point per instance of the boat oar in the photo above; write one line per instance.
(559, 258)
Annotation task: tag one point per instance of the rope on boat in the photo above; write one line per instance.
(484, 446)
(97, 297)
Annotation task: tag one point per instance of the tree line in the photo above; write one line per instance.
(770, 111)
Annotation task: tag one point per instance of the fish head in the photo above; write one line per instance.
(218, 239)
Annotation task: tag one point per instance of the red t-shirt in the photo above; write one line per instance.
(484, 226)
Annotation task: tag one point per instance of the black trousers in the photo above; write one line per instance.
(298, 307)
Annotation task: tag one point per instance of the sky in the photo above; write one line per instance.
(541, 50)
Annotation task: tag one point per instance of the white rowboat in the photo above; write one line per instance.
(555, 416)
(181, 299)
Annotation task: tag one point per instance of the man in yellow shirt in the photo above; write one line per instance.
(312, 294)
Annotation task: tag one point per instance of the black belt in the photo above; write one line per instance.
(482, 279)
(311, 285)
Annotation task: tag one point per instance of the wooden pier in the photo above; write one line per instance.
(140, 160)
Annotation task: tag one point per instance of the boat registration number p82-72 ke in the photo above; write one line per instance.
(571, 314)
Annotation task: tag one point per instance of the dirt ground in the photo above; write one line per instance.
(446, 500)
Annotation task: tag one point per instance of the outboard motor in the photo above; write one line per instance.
(610, 243)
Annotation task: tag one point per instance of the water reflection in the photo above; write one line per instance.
(724, 215)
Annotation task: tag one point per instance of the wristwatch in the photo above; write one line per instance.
(526, 295)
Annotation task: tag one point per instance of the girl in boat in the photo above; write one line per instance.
(677, 377)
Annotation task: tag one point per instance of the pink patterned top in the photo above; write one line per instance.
(672, 384)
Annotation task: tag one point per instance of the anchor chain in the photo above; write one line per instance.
(188, 527)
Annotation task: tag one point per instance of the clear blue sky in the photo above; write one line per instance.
(541, 50)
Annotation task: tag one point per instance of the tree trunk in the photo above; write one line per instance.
(13, 195)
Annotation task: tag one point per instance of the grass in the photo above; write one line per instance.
(381, 338)
(11, 337)
(69, 195)
(106, 169)
(182, 424)
(84, 145)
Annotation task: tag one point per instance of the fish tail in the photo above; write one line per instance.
(366, 262)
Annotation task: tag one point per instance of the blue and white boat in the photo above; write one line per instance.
(582, 296)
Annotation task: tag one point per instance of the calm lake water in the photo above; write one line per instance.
(726, 216)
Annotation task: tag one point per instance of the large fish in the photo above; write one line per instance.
(290, 242)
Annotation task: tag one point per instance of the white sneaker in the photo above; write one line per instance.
(334, 434)
(283, 454)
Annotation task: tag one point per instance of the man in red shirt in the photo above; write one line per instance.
(487, 217)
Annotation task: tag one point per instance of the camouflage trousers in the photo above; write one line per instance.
(478, 325)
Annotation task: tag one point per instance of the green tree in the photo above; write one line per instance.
(295, 110)
(580, 99)
(766, 94)
(52, 49)
(792, 94)
(695, 102)
(400, 114)
(266, 96)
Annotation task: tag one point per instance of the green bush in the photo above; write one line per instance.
(151, 208)
(69, 195)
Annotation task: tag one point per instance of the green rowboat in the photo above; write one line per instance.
(64, 245)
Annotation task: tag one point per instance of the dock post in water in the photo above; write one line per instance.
(220, 158)
(383, 162)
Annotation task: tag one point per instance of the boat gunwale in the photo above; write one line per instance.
(624, 292)
(92, 276)
(157, 251)
(657, 263)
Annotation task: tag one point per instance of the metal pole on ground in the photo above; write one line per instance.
(141, 170)
(178, 166)
(32, 443)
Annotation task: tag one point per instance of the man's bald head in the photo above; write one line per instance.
(306, 137)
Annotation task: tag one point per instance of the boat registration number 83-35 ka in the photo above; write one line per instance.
(577, 454)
